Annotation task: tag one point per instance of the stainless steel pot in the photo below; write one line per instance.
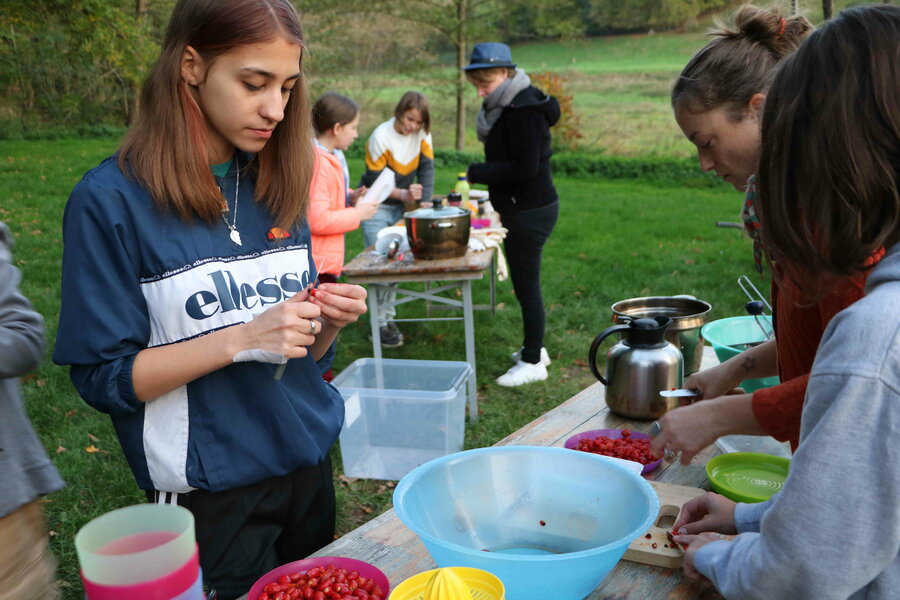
(439, 232)
(688, 315)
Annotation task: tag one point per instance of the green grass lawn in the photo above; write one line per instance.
(641, 53)
(620, 87)
(615, 240)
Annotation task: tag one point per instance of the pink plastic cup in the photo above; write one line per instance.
(141, 547)
(180, 584)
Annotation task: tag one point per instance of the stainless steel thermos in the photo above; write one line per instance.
(639, 367)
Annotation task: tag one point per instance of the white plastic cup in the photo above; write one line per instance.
(136, 544)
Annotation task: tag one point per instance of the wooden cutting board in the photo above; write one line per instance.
(671, 498)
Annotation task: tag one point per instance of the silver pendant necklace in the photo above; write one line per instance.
(234, 234)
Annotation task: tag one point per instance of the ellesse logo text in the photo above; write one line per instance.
(231, 295)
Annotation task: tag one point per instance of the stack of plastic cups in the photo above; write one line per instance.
(142, 552)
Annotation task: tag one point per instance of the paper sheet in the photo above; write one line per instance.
(380, 189)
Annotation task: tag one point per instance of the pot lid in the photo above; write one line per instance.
(437, 212)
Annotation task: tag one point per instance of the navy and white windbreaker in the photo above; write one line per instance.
(134, 277)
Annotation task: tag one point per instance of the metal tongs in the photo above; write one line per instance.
(756, 306)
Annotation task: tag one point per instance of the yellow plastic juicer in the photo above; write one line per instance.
(451, 583)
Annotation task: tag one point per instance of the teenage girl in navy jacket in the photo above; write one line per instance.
(186, 277)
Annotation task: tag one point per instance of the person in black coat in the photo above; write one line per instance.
(514, 125)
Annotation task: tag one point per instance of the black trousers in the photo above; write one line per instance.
(245, 532)
(527, 231)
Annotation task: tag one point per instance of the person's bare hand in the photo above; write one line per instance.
(709, 512)
(366, 210)
(415, 191)
(691, 544)
(712, 382)
(689, 429)
(340, 303)
(408, 198)
(358, 193)
(286, 328)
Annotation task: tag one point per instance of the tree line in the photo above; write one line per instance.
(70, 64)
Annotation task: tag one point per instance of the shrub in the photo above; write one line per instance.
(567, 132)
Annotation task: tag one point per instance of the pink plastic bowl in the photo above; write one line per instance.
(300, 566)
(612, 434)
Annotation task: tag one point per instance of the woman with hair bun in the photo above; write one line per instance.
(718, 97)
(829, 199)
(718, 101)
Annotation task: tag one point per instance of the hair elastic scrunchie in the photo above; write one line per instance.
(781, 31)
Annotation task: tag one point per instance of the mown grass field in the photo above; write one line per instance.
(615, 240)
(620, 87)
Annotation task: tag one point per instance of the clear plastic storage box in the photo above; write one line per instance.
(400, 414)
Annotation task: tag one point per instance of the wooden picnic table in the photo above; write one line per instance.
(374, 269)
(389, 545)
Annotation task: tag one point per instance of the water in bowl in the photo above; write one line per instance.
(521, 550)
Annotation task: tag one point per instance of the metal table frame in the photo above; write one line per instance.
(447, 280)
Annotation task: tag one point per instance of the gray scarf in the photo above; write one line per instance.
(497, 100)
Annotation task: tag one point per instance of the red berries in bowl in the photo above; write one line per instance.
(617, 443)
(326, 578)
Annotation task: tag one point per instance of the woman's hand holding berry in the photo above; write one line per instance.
(340, 303)
(286, 328)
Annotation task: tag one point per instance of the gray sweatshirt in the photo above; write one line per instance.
(834, 529)
(25, 470)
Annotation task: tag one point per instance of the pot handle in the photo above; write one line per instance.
(443, 225)
(595, 345)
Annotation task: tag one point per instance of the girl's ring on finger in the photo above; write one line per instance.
(312, 328)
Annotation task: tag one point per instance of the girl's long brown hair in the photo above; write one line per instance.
(165, 149)
(829, 173)
(739, 62)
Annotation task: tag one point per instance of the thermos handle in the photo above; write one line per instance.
(592, 353)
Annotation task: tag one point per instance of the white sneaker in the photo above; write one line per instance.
(545, 357)
(522, 373)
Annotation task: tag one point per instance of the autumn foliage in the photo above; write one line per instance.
(567, 132)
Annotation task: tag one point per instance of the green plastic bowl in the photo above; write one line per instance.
(731, 336)
(747, 476)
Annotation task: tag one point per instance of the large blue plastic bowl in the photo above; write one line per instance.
(731, 336)
(549, 522)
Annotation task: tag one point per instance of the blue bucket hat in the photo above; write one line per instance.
(490, 55)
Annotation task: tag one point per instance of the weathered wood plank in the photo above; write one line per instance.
(368, 267)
